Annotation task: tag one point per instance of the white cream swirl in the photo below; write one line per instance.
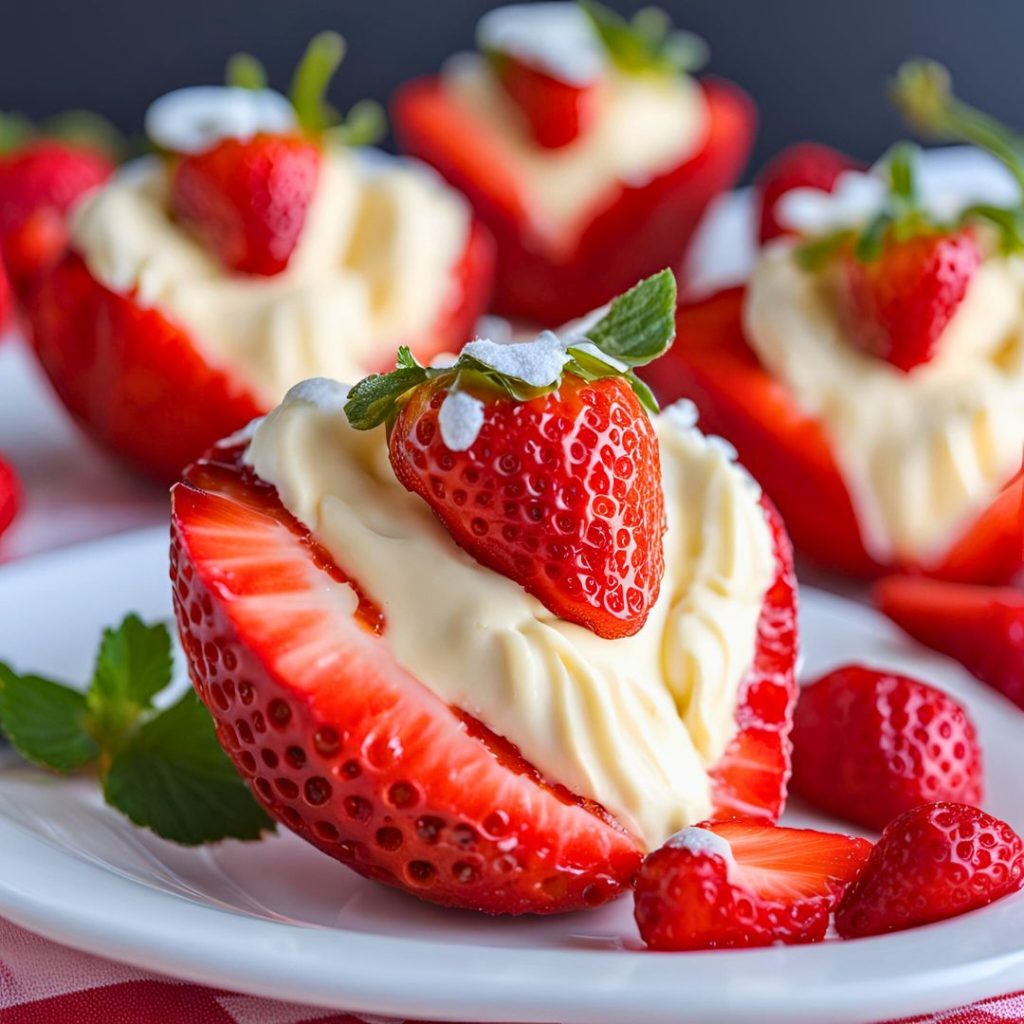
(632, 723)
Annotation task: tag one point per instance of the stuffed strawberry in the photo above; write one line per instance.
(583, 144)
(260, 247)
(870, 373)
(450, 653)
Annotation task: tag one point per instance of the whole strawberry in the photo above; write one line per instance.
(932, 862)
(540, 459)
(10, 495)
(868, 745)
(743, 883)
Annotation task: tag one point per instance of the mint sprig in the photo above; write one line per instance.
(647, 44)
(638, 327)
(165, 769)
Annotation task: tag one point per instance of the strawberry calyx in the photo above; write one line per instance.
(638, 327)
(78, 129)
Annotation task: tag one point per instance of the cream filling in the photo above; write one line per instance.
(646, 125)
(632, 723)
(922, 453)
(372, 270)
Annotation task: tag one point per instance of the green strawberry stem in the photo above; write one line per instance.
(308, 91)
(74, 127)
(244, 71)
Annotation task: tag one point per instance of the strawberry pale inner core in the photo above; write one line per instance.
(922, 453)
(632, 723)
(645, 126)
(372, 268)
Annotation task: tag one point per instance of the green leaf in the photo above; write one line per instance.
(813, 255)
(45, 721)
(869, 244)
(86, 128)
(641, 324)
(133, 664)
(647, 44)
(901, 162)
(309, 84)
(364, 124)
(244, 71)
(374, 400)
(171, 776)
(643, 392)
(15, 130)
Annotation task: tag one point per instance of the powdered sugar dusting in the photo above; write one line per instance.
(701, 842)
(538, 363)
(591, 349)
(460, 418)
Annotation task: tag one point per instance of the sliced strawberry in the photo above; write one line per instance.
(247, 200)
(898, 305)
(744, 883)
(342, 744)
(6, 299)
(933, 862)
(39, 182)
(981, 627)
(561, 493)
(10, 495)
(805, 165)
(556, 111)
(868, 745)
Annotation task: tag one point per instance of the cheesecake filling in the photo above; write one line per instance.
(632, 723)
(372, 270)
(922, 453)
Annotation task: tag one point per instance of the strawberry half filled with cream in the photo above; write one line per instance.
(260, 248)
(871, 373)
(583, 143)
(491, 630)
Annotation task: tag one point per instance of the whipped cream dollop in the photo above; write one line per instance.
(645, 126)
(372, 270)
(922, 453)
(633, 723)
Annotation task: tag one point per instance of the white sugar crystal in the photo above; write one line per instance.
(591, 349)
(701, 841)
(322, 392)
(443, 360)
(539, 363)
(460, 418)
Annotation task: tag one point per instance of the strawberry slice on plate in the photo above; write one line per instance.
(981, 627)
(743, 883)
(933, 862)
(868, 745)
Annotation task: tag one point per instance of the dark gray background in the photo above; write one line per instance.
(816, 67)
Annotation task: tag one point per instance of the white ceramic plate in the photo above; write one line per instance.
(277, 918)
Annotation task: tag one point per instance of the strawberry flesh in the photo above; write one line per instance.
(10, 495)
(779, 885)
(556, 112)
(933, 862)
(247, 201)
(562, 494)
(868, 745)
(981, 627)
(898, 305)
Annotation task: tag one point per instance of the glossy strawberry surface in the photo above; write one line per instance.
(10, 494)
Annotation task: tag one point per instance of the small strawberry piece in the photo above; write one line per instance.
(933, 862)
(556, 111)
(868, 745)
(744, 883)
(5, 297)
(561, 493)
(247, 201)
(898, 305)
(981, 627)
(805, 165)
(10, 495)
(39, 183)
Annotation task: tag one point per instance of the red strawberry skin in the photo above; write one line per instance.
(39, 183)
(868, 745)
(247, 201)
(6, 298)
(981, 627)
(562, 494)
(805, 165)
(555, 112)
(898, 305)
(933, 862)
(688, 900)
(137, 383)
(10, 495)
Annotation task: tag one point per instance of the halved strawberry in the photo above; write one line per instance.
(868, 745)
(247, 200)
(805, 165)
(898, 305)
(933, 862)
(10, 495)
(744, 883)
(556, 111)
(981, 627)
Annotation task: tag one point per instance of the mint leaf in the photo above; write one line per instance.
(375, 398)
(133, 665)
(641, 324)
(45, 722)
(172, 776)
